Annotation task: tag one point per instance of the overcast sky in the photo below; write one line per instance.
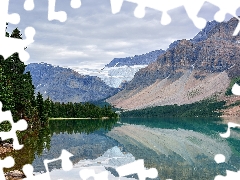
(92, 36)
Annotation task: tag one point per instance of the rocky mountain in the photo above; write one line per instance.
(66, 85)
(201, 36)
(143, 59)
(189, 71)
(204, 33)
(122, 70)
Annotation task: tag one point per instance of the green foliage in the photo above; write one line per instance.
(17, 91)
(6, 92)
(42, 108)
(205, 108)
(80, 110)
(229, 89)
(17, 95)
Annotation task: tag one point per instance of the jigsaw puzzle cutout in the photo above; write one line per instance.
(84, 174)
(230, 175)
(87, 173)
(66, 166)
(8, 162)
(236, 89)
(192, 8)
(60, 15)
(219, 158)
(8, 45)
(230, 125)
(137, 167)
(21, 125)
(29, 5)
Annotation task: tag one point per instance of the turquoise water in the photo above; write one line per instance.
(89, 139)
(174, 166)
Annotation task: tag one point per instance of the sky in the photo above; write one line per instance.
(92, 36)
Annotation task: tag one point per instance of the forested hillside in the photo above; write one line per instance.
(205, 108)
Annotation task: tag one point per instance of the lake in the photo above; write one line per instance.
(178, 148)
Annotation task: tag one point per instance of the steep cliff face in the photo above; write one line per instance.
(213, 59)
(66, 85)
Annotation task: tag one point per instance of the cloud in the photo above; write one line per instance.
(115, 53)
(93, 35)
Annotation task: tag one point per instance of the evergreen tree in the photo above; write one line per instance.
(40, 107)
(21, 84)
(6, 92)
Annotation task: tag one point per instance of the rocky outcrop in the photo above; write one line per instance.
(204, 33)
(201, 36)
(190, 65)
(66, 85)
(143, 59)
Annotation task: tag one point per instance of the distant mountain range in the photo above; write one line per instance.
(66, 85)
(189, 71)
(121, 70)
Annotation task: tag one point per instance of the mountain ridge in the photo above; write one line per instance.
(186, 64)
(143, 59)
(66, 85)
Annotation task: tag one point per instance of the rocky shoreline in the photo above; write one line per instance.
(12, 175)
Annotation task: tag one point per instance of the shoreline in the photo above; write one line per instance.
(102, 118)
(18, 175)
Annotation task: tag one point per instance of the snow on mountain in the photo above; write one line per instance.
(121, 70)
(112, 76)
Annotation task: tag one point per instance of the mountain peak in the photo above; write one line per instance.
(189, 71)
(143, 59)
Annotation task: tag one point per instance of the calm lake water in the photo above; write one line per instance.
(178, 148)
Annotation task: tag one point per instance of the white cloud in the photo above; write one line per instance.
(92, 34)
(64, 52)
(115, 53)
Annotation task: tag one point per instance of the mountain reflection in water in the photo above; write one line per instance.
(178, 148)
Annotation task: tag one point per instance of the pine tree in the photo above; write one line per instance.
(6, 92)
(21, 83)
(40, 107)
